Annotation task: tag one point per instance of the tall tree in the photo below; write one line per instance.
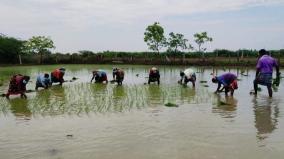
(200, 39)
(10, 48)
(39, 45)
(154, 37)
(176, 42)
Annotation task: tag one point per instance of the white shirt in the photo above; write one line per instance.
(189, 72)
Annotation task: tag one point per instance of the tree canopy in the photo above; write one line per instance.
(10, 48)
(200, 39)
(176, 42)
(39, 44)
(154, 37)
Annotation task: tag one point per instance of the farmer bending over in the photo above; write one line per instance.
(57, 76)
(100, 76)
(154, 75)
(186, 76)
(264, 70)
(18, 85)
(43, 81)
(118, 75)
(229, 82)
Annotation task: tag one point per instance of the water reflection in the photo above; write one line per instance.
(187, 95)
(19, 107)
(81, 97)
(225, 106)
(49, 102)
(119, 94)
(154, 94)
(266, 113)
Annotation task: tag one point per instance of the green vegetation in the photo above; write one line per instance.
(1, 81)
(154, 37)
(38, 45)
(200, 39)
(222, 103)
(276, 81)
(10, 49)
(171, 105)
(177, 41)
(164, 58)
(37, 50)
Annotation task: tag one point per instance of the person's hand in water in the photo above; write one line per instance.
(278, 74)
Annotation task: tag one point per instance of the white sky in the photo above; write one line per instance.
(119, 25)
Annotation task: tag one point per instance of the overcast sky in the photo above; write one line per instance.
(119, 25)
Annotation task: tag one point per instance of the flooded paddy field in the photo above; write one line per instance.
(84, 120)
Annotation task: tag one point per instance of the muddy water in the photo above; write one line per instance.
(84, 120)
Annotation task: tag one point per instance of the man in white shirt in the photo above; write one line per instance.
(186, 76)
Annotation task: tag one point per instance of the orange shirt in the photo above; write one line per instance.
(57, 74)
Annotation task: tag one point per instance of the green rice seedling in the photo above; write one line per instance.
(222, 103)
(169, 104)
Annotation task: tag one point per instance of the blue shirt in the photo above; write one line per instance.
(42, 80)
(226, 79)
(101, 73)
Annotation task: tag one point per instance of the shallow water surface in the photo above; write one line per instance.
(84, 120)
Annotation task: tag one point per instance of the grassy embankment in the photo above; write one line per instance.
(220, 58)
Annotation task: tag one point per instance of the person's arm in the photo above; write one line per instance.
(218, 88)
(92, 78)
(48, 82)
(277, 69)
(113, 75)
(62, 79)
(180, 81)
(258, 66)
(257, 72)
(222, 89)
(43, 84)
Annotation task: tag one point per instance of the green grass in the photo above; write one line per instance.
(1, 82)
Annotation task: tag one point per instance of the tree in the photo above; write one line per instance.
(86, 53)
(10, 48)
(154, 37)
(200, 39)
(176, 41)
(39, 45)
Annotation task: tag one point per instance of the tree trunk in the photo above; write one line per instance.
(20, 59)
(199, 49)
(56, 58)
(183, 58)
(40, 58)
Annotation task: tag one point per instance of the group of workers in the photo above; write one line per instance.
(264, 70)
(18, 82)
